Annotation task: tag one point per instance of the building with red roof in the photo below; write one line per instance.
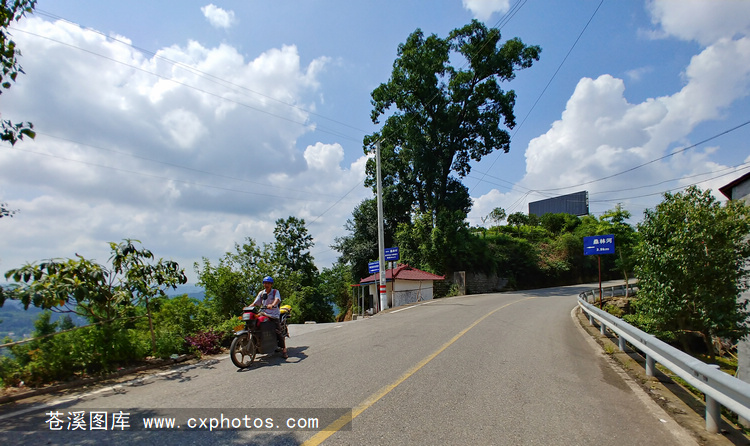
(404, 285)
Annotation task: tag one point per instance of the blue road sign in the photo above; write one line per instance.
(373, 267)
(599, 244)
(391, 254)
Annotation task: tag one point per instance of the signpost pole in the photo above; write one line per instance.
(599, 244)
(599, 259)
(381, 242)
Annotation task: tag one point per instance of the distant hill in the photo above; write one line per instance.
(191, 290)
(19, 323)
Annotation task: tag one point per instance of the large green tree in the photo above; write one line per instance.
(690, 267)
(614, 221)
(234, 281)
(446, 116)
(12, 11)
(439, 117)
(360, 246)
(292, 248)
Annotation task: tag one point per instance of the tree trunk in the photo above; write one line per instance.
(708, 339)
(151, 328)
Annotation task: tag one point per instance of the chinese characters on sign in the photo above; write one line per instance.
(599, 244)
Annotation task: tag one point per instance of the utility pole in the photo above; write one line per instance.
(381, 241)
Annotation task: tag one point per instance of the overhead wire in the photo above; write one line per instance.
(732, 168)
(544, 90)
(178, 166)
(711, 138)
(196, 71)
(504, 20)
(304, 198)
(209, 77)
(201, 90)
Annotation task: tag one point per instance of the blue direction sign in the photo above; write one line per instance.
(599, 244)
(391, 254)
(373, 267)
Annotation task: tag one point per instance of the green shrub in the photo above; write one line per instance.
(614, 310)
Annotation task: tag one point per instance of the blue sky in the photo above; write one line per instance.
(191, 125)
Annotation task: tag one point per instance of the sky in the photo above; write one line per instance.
(190, 125)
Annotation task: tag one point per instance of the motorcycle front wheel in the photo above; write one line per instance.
(242, 351)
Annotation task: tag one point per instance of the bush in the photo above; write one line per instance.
(226, 330)
(206, 342)
(614, 310)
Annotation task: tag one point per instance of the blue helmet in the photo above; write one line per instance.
(268, 279)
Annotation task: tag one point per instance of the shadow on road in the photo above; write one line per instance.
(296, 354)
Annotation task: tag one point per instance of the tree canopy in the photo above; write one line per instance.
(445, 116)
(439, 117)
(236, 278)
(92, 290)
(292, 248)
(690, 267)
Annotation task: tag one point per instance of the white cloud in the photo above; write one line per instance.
(183, 127)
(189, 158)
(483, 9)
(218, 17)
(637, 74)
(601, 134)
(323, 157)
(700, 20)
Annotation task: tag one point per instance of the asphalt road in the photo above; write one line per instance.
(505, 369)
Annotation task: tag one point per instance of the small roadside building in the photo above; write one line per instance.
(739, 189)
(404, 285)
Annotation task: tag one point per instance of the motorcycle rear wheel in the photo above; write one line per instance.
(243, 351)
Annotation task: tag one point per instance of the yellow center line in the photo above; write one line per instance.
(375, 397)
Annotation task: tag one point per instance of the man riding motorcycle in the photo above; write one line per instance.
(269, 298)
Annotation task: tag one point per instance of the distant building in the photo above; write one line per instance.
(739, 189)
(575, 204)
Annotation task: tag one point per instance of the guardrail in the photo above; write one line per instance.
(719, 388)
(610, 291)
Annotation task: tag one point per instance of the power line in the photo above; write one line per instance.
(654, 160)
(732, 168)
(184, 84)
(304, 198)
(673, 189)
(178, 166)
(549, 82)
(194, 70)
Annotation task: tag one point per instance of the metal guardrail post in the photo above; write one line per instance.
(623, 344)
(713, 415)
(713, 411)
(650, 365)
(602, 328)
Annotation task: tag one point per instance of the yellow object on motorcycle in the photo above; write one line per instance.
(285, 309)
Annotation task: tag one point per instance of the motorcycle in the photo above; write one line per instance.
(256, 336)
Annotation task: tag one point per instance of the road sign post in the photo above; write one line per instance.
(598, 245)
